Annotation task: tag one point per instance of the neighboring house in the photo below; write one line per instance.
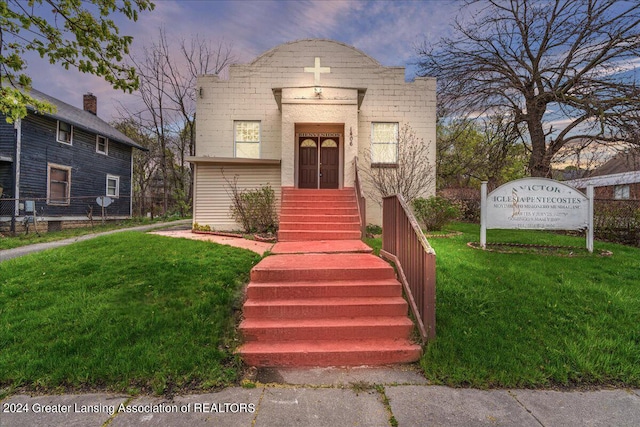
(63, 161)
(296, 117)
(618, 179)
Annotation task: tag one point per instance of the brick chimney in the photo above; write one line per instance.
(90, 103)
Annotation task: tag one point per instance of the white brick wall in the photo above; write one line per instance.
(248, 95)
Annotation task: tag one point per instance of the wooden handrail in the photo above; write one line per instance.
(404, 244)
(362, 203)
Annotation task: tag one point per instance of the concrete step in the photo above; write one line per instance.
(321, 247)
(324, 307)
(319, 226)
(323, 267)
(321, 210)
(323, 289)
(299, 236)
(329, 217)
(341, 328)
(330, 353)
(306, 203)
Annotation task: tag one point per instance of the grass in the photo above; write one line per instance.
(128, 312)
(21, 239)
(529, 320)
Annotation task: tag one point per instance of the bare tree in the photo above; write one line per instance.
(410, 176)
(541, 61)
(168, 92)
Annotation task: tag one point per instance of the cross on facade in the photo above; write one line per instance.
(317, 70)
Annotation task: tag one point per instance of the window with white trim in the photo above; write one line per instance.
(65, 133)
(113, 186)
(384, 143)
(102, 145)
(621, 192)
(58, 184)
(247, 139)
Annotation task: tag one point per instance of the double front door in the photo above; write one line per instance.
(318, 165)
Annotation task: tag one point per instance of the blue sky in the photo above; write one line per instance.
(386, 30)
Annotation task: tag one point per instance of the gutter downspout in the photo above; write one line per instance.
(131, 186)
(16, 193)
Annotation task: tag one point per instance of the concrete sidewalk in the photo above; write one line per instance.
(7, 254)
(332, 397)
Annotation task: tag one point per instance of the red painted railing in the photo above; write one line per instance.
(362, 203)
(404, 244)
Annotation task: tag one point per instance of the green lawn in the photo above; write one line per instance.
(523, 320)
(22, 239)
(128, 312)
(135, 312)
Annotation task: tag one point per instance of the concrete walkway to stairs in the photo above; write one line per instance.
(330, 397)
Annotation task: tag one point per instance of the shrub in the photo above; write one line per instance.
(374, 230)
(255, 209)
(435, 212)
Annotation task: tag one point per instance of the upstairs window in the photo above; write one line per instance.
(247, 139)
(65, 133)
(59, 185)
(102, 145)
(384, 143)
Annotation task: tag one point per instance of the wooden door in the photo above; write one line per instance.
(308, 163)
(329, 158)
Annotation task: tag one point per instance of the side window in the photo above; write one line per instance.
(113, 186)
(58, 184)
(384, 143)
(247, 139)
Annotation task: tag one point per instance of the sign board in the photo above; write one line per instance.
(536, 204)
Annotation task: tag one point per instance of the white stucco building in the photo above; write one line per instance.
(297, 116)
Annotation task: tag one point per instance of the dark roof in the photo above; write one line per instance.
(628, 161)
(84, 120)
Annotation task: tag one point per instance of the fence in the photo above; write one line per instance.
(617, 221)
(404, 244)
(16, 214)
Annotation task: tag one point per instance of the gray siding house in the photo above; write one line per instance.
(62, 162)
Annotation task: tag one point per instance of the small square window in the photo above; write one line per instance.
(113, 186)
(65, 133)
(621, 192)
(102, 145)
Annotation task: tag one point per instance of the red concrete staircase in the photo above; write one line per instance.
(318, 215)
(310, 306)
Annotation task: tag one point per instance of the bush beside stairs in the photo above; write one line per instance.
(322, 298)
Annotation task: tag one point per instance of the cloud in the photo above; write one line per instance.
(386, 30)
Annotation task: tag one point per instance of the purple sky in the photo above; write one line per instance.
(386, 30)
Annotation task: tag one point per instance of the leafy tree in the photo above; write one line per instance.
(73, 33)
(540, 61)
(469, 152)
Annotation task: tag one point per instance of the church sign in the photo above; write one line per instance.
(536, 204)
